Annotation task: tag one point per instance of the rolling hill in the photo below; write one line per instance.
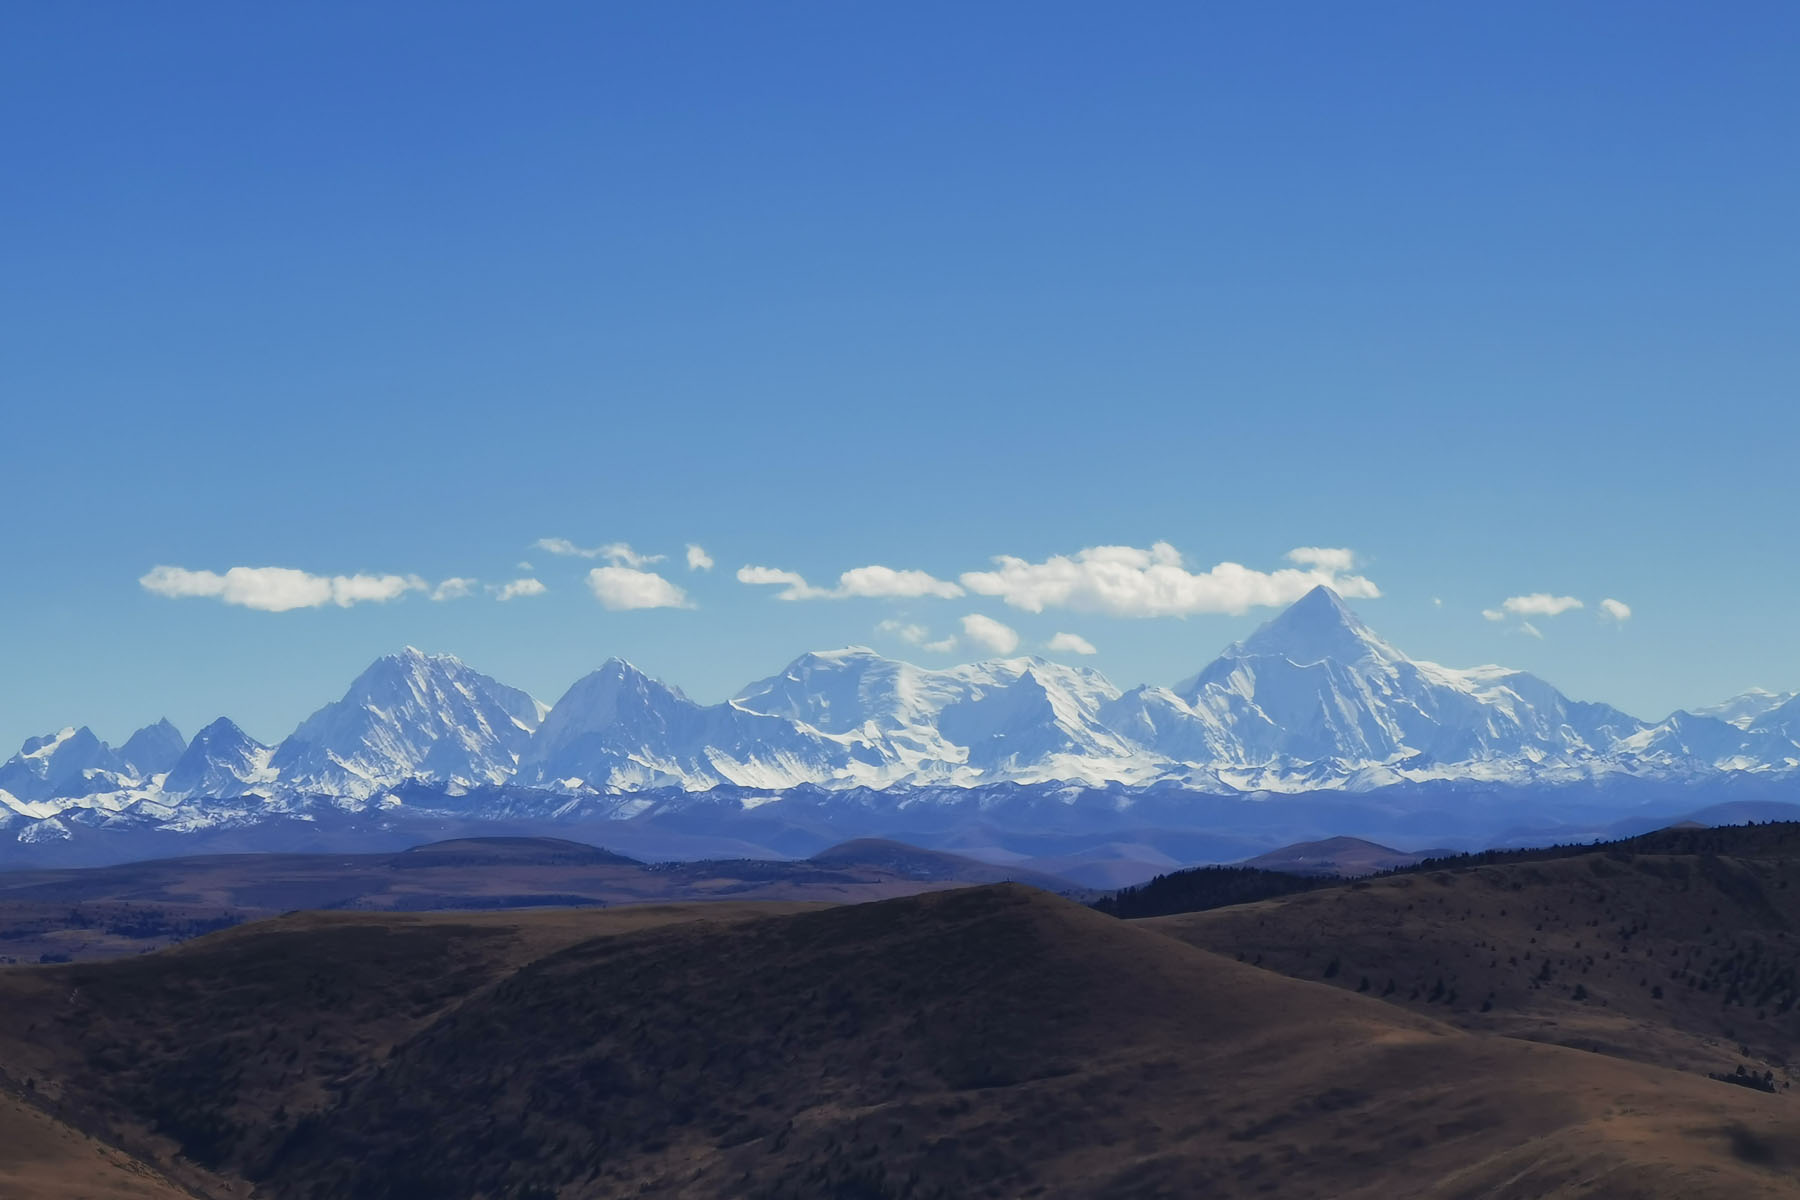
(1680, 947)
(989, 1041)
(97, 912)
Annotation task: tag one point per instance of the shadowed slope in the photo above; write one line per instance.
(994, 1041)
(1684, 959)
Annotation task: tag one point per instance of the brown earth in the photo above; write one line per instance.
(40, 1156)
(993, 1041)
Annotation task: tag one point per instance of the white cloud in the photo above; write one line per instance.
(617, 553)
(279, 589)
(871, 581)
(564, 547)
(454, 588)
(795, 585)
(1539, 604)
(1437, 602)
(622, 555)
(917, 635)
(1325, 558)
(621, 588)
(698, 559)
(522, 565)
(886, 581)
(1071, 643)
(1125, 581)
(518, 588)
(1614, 610)
(1533, 630)
(914, 634)
(990, 634)
(1493, 614)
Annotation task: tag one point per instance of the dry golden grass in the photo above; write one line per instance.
(43, 1159)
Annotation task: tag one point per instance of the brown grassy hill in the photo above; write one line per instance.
(994, 1041)
(1346, 856)
(1685, 959)
(40, 1156)
(99, 912)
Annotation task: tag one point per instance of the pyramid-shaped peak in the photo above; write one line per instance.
(224, 729)
(1322, 603)
(407, 662)
(1317, 626)
(413, 656)
(846, 654)
(618, 674)
(154, 748)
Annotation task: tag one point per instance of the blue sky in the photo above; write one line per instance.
(1500, 298)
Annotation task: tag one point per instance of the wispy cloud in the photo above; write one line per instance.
(918, 635)
(1614, 610)
(989, 634)
(1334, 559)
(792, 583)
(623, 588)
(1540, 604)
(1533, 604)
(617, 553)
(454, 588)
(869, 582)
(518, 588)
(564, 547)
(906, 631)
(279, 589)
(698, 559)
(1125, 581)
(1070, 643)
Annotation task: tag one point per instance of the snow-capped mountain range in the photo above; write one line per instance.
(1313, 700)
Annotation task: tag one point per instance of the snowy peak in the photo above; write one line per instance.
(1317, 687)
(1747, 708)
(153, 749)
(222, 760)
(410, 715)
(1316, 627)
(1783, 719)
(70, 762)
(1313, 699)
(840, 691)
(611, 719)
(618, 693)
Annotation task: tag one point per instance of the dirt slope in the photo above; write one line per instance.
(42, 1157)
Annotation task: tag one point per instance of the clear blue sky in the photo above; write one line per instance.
(1501, 297)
